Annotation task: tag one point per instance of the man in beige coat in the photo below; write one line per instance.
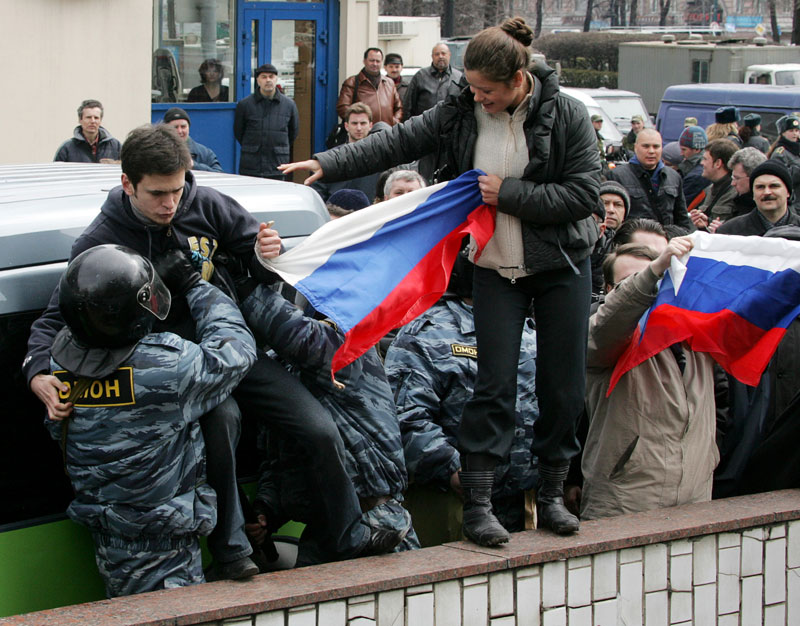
(651, 443)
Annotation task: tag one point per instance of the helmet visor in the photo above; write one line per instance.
(155, 297)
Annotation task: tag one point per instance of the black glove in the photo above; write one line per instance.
(177, 272)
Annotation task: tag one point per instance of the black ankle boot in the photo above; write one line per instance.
(550, 510)
(479, 523)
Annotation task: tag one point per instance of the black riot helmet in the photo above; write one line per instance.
(110, 297)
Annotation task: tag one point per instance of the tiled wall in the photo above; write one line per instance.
(747, 577)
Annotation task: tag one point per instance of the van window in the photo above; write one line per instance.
(32, 478)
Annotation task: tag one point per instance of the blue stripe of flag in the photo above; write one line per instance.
(763, 298)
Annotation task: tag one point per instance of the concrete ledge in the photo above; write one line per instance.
(293, 588)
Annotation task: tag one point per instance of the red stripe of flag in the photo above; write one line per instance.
(740, 347)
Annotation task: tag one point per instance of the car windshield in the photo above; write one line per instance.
(622, 109)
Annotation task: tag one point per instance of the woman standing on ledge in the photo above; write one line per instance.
(539, 150)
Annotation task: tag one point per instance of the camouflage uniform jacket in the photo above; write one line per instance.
(134, 450)
(363, 411)
(432, 365)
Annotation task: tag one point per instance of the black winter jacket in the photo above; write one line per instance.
(217, 230)
(667, 206)
(751, 224)
(78, 150)
(265, 128)
(554, 197)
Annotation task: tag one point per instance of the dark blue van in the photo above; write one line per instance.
(701, 100)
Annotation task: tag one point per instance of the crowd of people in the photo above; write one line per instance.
(491, 408)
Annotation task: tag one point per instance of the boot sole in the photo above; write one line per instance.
(563, 530)
(488, 543)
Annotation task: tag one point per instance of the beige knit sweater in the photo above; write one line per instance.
(501, 149)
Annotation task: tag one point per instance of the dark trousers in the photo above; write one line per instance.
(271, 393)
(221, 430)
(561, 310)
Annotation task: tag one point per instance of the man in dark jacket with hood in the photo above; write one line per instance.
(90, 143)
(158, 208)
(656, 191)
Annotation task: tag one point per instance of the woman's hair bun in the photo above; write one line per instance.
(518, 29)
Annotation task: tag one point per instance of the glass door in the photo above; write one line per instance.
(292, 38)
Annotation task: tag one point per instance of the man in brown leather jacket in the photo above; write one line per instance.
(373, 89)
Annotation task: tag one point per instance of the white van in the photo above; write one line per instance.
(621, 106)
(773, 74)
(610, 133)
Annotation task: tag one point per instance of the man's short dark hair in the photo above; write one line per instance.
(154, 150)
(722, 149)
(626, 230)
(90, 104)
(629, 249)
(368, 50)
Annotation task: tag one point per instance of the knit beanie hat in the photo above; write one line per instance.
(612, 186)
(671, 154)
(176, 113)
(776, 168)
(349, 199)
(693, 137)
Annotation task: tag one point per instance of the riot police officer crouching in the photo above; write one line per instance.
(132, 445)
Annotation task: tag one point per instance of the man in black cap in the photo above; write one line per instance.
(771, 185)
(750, 133)
(265, 124)
(203, 158)
(393, 64)
(754, 411)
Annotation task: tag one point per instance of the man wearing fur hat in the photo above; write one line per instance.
(750, 133)
(787, 148)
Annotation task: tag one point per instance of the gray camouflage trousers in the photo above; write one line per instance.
(148, 564)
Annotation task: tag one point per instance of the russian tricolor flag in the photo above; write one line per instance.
(379, 268)
(734, 298)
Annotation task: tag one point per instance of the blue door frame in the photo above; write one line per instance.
(212, 123)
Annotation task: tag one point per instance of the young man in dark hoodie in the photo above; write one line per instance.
(158, 208)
